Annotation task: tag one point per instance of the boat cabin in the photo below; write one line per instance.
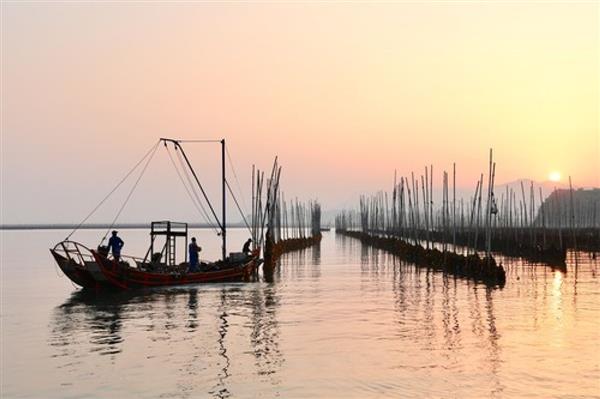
(166, 238)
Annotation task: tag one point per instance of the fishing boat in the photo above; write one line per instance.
(162, 269)
(97, 269)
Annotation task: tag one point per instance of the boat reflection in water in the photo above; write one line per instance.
(98, 318)
(200, 330)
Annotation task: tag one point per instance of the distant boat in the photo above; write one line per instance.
(96, 269)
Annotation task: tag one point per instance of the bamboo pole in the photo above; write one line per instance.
(543, 215)
(431, 196)
(454, 207)
(478, 214)
(424, 196)
(489, 234)
(573, 221)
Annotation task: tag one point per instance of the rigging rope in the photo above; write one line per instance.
(237, 181)
(189, 179)
(198, 205)
(130, 192)
(113, 190)
(187, 161)
(238, 207)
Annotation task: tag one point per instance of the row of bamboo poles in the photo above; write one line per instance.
(278, 225)
(514, 227)
(407, 224)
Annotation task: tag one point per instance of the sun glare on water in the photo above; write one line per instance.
(554, 176)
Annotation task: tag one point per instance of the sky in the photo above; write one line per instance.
(343, 93)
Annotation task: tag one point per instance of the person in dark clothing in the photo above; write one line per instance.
(246, 248)
(193, 250)
(115, 244)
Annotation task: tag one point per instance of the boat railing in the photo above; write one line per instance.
(80, 254)
(75, 252)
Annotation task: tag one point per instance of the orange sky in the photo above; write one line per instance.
(344, 93)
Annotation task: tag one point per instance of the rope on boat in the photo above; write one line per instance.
(238, 207)
(195, 199)
(181, 154)
(130, 192)
(239, 187)
(153, 148)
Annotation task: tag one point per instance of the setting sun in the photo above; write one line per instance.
(554, 176)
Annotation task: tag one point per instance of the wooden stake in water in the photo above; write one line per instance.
(454, 207)
(573, 221)
(543, 215)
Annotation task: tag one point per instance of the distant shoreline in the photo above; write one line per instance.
(124, 226)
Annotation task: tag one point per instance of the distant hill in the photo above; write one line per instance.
(556, 209)
(547, 187)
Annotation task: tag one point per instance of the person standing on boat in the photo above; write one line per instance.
(193, 250)
(115, 244)
(246, 248)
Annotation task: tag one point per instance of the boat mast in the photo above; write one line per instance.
(223, 187)
(223, 225)
(177, 145)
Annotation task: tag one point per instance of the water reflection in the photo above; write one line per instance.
(316, 255)
(155, 321)
(220, 390)
(294, 264)
(429, 309)
(436, 303)
(494, 348)
(265, 333)
(98, 316)
(412, 331)
(557, 283)
(450, 313)
(192, 306)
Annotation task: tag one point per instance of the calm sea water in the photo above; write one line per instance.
(337, 321)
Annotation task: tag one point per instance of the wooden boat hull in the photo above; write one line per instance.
(124, 277)
(77, 273)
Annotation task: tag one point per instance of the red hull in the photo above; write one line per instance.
(125, 277)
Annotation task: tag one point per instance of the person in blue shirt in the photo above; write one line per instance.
(193, 250)
(115, 244)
